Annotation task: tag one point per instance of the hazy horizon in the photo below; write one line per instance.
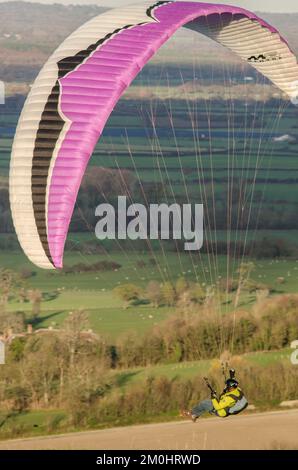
(270, 6)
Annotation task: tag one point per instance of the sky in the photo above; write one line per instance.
(282, 6)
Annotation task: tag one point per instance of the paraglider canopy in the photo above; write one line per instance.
(77, 89)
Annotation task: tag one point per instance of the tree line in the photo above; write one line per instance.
(203, 334)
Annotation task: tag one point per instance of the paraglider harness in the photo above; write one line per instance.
(241, 401)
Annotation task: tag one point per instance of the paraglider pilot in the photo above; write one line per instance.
(231, 401)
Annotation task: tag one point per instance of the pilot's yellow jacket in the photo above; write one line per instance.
(226, 402)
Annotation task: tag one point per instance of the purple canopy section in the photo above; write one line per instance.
(90, 92)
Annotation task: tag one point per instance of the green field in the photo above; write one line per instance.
(93, 291)
(187, 370)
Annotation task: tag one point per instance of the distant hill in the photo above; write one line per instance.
(35, 23)
(29, 33)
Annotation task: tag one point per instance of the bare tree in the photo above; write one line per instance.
(10, 283)
(39, 369)
(244, 272)
(153, 293)
(181, 286)
(128, 293)
(11, 322)
(75, 323)
(35, 297)
(168, 294)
